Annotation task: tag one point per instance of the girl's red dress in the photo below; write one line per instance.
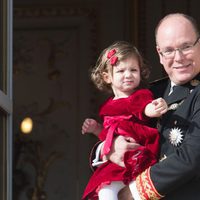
(125, 117)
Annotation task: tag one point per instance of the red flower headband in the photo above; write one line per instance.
(112, 57)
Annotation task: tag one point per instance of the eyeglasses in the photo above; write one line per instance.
(185, 49)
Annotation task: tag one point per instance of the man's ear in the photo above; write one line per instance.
(160, 56)
(106, 77)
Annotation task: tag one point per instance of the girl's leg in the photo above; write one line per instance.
(111, 191)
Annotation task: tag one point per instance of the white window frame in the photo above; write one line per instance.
(6, 102)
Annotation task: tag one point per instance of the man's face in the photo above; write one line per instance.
(179, 49)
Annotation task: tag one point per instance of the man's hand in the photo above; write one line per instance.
(125, 194)
(121, 145)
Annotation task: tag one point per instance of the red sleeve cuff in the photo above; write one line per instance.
(146, 188)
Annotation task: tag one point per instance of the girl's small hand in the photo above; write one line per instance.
(89, 126)
(160, 106)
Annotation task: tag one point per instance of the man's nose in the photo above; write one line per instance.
(178, 55)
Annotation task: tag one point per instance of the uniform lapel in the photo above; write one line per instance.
(179, 93)
(175, 100)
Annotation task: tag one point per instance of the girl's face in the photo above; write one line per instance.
(124, 78)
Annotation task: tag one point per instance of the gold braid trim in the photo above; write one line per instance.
(146, 188)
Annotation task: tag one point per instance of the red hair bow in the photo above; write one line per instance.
(113, 59)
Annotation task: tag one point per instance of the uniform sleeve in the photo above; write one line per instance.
(180, 167)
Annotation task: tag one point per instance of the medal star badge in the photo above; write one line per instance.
(175, 136)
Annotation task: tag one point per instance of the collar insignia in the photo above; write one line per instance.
(175, 136)
(173, 106)
(194, 82)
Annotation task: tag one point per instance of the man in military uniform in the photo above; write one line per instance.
(177, 174)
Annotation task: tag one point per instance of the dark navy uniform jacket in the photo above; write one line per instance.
(177, 174)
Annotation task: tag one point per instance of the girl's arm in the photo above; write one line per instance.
(156, 108)
(91, 126)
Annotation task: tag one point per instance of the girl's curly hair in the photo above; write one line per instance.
(123, 50)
